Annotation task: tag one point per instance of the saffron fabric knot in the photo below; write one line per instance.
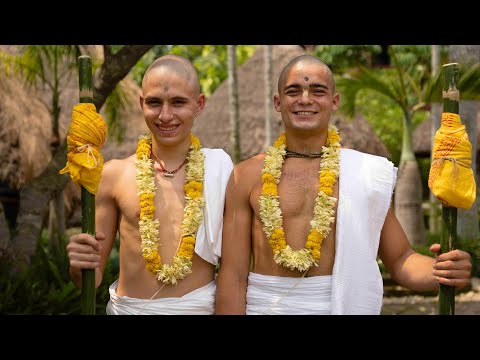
(451, 160)
(87, 134)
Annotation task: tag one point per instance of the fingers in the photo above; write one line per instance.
(456, 255)
(452, 274)
(87, 239)
(84, 261)
(458, 283)
(100, 235)
(452, 268)
(84, 251)
(435, 248)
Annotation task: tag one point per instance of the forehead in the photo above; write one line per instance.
(307, 72)
(166, 80)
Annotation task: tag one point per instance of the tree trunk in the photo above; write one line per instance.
(467, 220)
(233, 97)
(4, 231)
(34, 198)
(115, 68)
(56, 219)
(268, 94)
(408, 191)
(34, 195)
(408, 202)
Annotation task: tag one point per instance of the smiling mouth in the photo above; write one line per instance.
(305, 112)
(166, 128)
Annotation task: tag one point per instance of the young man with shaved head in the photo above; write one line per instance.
(313, 217)
(166, 202)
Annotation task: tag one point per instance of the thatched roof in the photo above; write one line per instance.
(422, 135)
(25, 131)
(26, 134)
(213, 125)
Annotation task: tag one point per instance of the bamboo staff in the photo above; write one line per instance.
(446, 296)
(88, 199)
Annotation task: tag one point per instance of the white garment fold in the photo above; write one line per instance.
(366, 189)
(218, 167)
(208, 245)
(279, 295)
(198, 302)
(366, 186)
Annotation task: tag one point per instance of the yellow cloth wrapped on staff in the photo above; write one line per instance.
(85, 137)
(451, 177)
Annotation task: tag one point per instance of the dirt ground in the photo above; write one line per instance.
(466, 303)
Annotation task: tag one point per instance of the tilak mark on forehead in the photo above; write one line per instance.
(165, 89)
(306, 78)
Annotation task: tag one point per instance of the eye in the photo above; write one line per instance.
(292, 92)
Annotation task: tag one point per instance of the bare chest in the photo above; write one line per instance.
(169, 200)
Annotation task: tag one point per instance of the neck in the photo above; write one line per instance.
(308, 144)
(174, 154)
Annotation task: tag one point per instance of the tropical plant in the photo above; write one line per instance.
(44, 287)
(35, 194)
(410, 87)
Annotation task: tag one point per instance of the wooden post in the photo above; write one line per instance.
(88, 199)
(446, 296)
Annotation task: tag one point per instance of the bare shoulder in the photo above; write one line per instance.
(250, 166)
(115, 167)
(115, 173)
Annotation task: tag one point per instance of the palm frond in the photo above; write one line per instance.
(115, 105)
(349, 86)
(468, 84)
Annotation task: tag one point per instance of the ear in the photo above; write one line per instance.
(276, 102)
(336, 102)
(141, 100)
(200, 103)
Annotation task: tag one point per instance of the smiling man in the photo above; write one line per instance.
(313, 217)
(166, 201)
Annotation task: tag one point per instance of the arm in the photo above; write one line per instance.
(236, 245)
(416, 271)
(86, 251)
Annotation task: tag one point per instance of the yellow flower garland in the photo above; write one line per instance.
(323, 212)
(193, 215)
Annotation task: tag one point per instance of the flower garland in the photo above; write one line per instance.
(323, 212)
(193, 215)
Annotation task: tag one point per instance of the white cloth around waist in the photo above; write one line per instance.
(278, 295)
(200, 301)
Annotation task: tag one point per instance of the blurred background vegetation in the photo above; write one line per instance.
(40, 284)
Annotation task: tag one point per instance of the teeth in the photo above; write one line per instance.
(305, 113)
(167, 128)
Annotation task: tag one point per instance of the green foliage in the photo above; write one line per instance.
(44, 287)
(386, 119)
(42, 64)
(142, 65)
(209, 60)
(341, 57)
(116, 102)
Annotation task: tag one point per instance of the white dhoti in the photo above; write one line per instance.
(200, 301)
(278, 295)
(355, 286)
(208, 245)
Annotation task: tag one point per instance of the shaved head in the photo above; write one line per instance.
(180, 66)
(308, 59)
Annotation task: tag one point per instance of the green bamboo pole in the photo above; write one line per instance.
(88, 199)
(446, 296)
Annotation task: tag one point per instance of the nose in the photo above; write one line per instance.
(305, 98)
(166, 114)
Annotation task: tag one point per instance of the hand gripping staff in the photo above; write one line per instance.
(451, 177)
(85, 137)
